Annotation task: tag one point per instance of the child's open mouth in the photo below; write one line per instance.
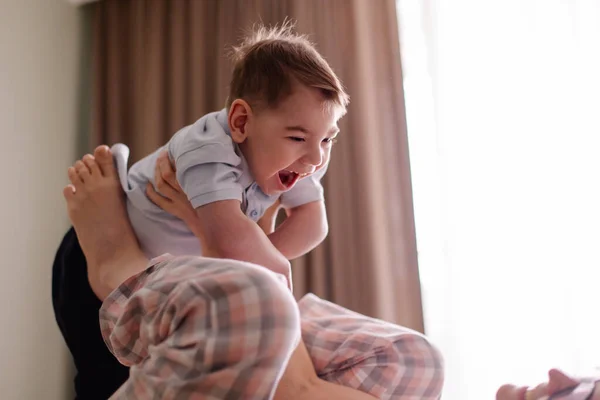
(289, 178)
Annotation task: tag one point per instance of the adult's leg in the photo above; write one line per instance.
(201, 328)
(300, 382)
(76, 306)
(375, 357)
(96, 207)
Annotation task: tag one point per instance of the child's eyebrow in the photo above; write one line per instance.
(297, 128)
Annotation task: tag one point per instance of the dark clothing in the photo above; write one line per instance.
(76, 307)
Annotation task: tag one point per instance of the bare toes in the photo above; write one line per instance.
(69, 192)
(82, 170)
(74, 178)
(90, 162)
(104, 159)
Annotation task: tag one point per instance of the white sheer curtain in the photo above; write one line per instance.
(503, 107)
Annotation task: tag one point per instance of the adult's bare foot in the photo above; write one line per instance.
(96, 208)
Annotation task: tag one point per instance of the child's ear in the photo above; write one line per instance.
(239, 113)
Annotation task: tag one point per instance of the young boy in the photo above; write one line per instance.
(271, 143)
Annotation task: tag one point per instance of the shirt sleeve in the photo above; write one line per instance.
(305, 191)
(209, 173)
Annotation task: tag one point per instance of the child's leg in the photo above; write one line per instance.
(370, 355)
(200, 328)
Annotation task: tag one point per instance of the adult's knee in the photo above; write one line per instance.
(196, 302)
(240, 316)
(264, 294)
(398, 366)
(416, 358)
(250, 297)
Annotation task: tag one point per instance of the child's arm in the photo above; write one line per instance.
(304, 228)
(268, 220)
(225, 232)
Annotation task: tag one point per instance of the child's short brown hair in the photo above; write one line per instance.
(270, 60)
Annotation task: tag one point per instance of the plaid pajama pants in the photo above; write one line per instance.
(206, 329)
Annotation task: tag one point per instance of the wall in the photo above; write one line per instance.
(40, 117)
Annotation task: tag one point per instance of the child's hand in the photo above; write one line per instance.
(168, 194)
(267, 221)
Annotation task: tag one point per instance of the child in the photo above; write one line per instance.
(271, 143)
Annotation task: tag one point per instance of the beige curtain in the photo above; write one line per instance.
(159, 65)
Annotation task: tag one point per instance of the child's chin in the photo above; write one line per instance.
(269, 190)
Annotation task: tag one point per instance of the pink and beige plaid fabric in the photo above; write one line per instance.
(376, 357)
(200, 328)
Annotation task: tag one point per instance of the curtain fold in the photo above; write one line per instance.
(159, 66)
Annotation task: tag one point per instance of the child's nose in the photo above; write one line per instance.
(313, 158)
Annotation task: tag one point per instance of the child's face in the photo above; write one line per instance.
(284, 144)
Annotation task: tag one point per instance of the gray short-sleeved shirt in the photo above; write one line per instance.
(210, 168)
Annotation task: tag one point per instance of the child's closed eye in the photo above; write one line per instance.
(330, 141)
(296, 139)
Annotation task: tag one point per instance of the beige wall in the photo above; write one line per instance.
(39, 114)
